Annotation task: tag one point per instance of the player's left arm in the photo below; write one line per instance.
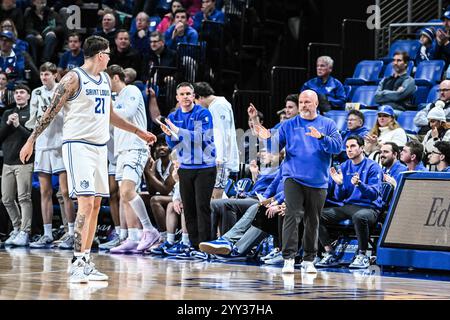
(123, 124)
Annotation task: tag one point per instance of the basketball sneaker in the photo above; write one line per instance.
(67, 243)
(288, 266)
(328, 260)
(276, 259)
(149, 237)
(220, 246)
(21, 240)
(126, 247)
(271, 254)
(114, 242)
(76, 272)
(176, 249)
(92, 273)
(43, 242)
(11, 237)
(161, 249)
(308, 267)
(361, 262)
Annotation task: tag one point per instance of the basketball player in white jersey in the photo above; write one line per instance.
(48, 159)
(85, 94)
(132, 155)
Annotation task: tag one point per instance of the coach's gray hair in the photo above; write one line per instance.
(327, 60)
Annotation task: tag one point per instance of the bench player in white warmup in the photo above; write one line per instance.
(85, 94)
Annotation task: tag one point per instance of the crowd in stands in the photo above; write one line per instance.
(36, 50)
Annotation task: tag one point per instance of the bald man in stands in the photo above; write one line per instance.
(309, 140)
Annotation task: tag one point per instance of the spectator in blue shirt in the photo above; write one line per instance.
(140, 38)
(428, 49)
(180, 31)
(412, 155)
(355, 127)
(358, 186)
(208, 12)
(392, 167)
(72, 58)
(11, 62)
(440, 156)
(331, 92)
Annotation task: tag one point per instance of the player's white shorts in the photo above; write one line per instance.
(221, 177)
(112, 167)
(87, 169)
(131, 164)
(49, 161)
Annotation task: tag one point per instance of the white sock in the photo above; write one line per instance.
(48, 230)
(138, 206)
(71, 226)
(171, 238)
(78, 256)
(185, 239)
(87, 255)
(139, 233)
(16, 229)
(133, 234)
(163, 236)
(123, 234)
(117, 230)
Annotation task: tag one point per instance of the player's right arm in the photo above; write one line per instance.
(64, 90)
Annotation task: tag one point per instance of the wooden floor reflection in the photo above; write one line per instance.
(41, 274)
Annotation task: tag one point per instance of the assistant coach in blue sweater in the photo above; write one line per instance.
(309, 140)
(189, 130)
(358, 186)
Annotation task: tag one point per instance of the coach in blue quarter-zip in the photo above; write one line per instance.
(189, 130)
(309, 140)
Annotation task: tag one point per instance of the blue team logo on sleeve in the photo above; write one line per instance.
(84, 184)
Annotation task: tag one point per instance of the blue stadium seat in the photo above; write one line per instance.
(389, 70)
(410, 46)
(433, 95)
(370, 118)
(339, 117)
(421, 94)
(243, 185)
(349, 91)
(366, 71)
(230, 191)
(429, 72)
(406, 121)
(365, 95)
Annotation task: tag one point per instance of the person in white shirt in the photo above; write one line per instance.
(132, 155)
(227, 153)
(48, 159)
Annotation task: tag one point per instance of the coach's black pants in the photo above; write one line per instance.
(196, 187)
(305, 203)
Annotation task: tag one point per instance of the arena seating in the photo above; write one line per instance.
(366, 72)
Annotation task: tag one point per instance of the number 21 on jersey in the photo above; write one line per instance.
(100, 105)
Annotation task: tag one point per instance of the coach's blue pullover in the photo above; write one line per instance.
(332, 88)
(395, 170)
(195, 146)
(368, 192)
(307, 159)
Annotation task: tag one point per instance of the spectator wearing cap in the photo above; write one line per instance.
(16, 176)
(12, 63)
(397, 90)
(386, 129)
(208, 13)
(330, 90)
(442, 38)
(428, 49)
(440, 156)
(439, 129)
(412, 156)
(421, 120)
(392, 167)
(355, 127)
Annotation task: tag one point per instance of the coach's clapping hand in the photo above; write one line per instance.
(314, 133)
(261, 132)
(338, 177)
